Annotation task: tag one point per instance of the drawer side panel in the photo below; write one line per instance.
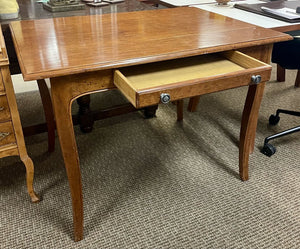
(125, 87)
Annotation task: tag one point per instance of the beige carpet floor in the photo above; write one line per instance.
(157, 183)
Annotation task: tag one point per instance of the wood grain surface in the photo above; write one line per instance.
(59, 46)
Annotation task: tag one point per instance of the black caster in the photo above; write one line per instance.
(268, 150)
(274, 119)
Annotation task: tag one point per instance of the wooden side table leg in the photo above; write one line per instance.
(179, 104)
(86, 120)
(193, 103)
(297, 81)
(62, 108)
(280, 73)
(48, 110)
(29, 178)
(22, 152)
(248, 127)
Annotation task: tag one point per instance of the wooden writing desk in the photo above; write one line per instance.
(79, 55)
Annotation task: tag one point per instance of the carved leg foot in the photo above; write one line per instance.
(29, 178)
(86, 120)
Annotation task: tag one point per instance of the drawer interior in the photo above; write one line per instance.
(136, 80)
(158, 74)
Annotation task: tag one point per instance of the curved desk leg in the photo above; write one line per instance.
(48, 110)
(62, 107)
(248, 126)
(193, 103)
(63, 91)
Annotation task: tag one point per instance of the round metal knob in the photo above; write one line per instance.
(165, 98)
(256, 79)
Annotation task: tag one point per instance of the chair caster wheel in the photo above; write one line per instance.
(273, 119)
(268, 150)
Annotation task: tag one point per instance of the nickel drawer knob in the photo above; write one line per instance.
(165, 98)
(256, 79)
(1, 108)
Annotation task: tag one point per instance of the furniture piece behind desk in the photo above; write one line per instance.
(11, 135)
(131, 39)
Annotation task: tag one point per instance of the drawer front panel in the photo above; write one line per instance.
(4, 109)
(7, 135)
(147, 85)
(150, 97)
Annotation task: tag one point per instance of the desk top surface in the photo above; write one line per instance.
(61, 46)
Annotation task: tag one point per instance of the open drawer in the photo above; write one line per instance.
(161, 82)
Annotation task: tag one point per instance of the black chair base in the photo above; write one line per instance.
(269, 149)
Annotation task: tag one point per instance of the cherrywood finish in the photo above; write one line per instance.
(64, 91)
(86, 50)
(33, 10)
(79, 55)
(12, 140)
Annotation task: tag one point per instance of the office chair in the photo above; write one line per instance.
(287, 56)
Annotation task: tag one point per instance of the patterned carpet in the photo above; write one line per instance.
(157, 183)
